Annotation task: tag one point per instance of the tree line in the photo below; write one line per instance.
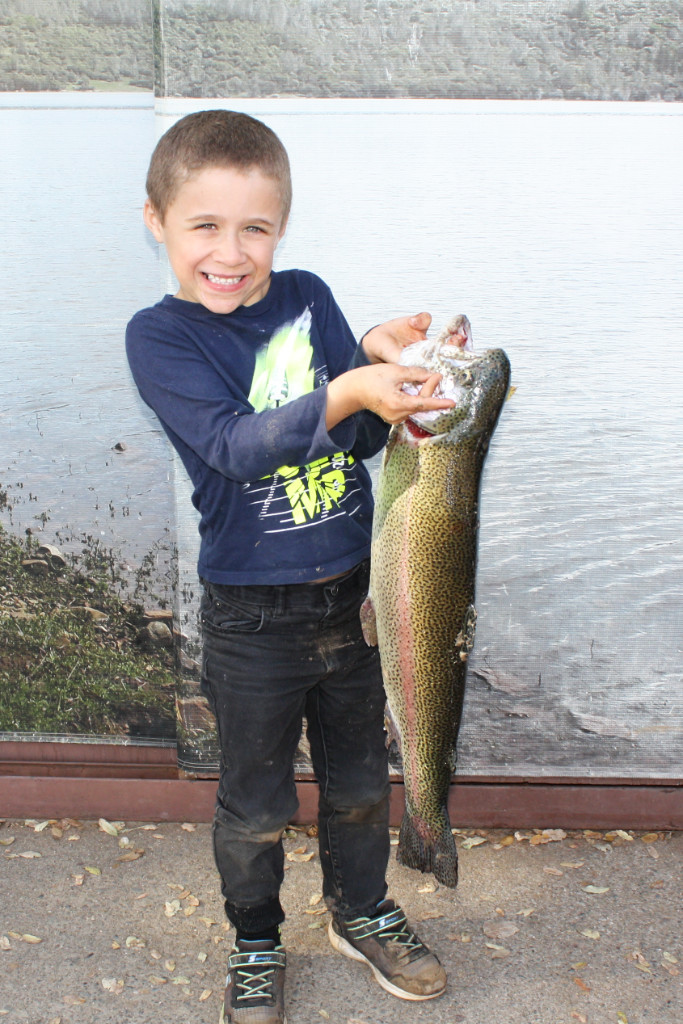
(490, 49)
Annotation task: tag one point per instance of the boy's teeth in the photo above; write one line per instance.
(223, 280)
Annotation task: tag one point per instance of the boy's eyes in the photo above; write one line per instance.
(252, 228)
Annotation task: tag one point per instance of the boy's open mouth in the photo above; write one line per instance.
(226, 281)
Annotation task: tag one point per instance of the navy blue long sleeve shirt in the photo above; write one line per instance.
(242, 398)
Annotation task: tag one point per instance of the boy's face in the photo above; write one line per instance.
(220, 233)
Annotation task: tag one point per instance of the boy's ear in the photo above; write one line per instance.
(153, 221)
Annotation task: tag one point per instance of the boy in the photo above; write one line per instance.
(271, 405)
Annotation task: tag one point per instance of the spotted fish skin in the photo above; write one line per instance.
(422, 584)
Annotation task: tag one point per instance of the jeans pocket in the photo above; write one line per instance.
(223, 612)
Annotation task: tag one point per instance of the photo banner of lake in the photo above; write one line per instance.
(554, 223)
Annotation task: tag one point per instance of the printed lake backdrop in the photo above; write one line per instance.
(517, 161)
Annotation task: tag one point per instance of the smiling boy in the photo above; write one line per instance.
(271, 405)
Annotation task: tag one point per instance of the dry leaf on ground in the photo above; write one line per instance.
(113, 985)
(106, 826)
(595, 889)
(500, 929)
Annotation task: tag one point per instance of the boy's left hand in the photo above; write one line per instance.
(384, 344)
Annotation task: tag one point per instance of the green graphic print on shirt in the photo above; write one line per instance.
(298, 496)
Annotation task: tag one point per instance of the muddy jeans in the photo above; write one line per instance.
(272, 655)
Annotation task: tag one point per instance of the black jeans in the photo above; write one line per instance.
(271, 655)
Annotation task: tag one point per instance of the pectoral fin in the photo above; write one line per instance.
(368, 621)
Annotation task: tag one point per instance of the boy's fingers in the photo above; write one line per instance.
(430, 385)
(420, 321)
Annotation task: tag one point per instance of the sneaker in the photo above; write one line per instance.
(400, 962)
(254, 987)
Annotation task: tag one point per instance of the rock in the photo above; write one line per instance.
(120, 446)
(156, 634)
(38, 566)
(53, 555)
(158, 615)
(93, 613)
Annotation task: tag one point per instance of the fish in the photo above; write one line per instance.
(420, 610)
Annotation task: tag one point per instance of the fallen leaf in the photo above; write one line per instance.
(670, 957)
(590, 933)
(315, 910)
(553, 871)
(572, 863)
(133, 942)
(171, 908)
(156, 980)
(428, 887)
(596, 889)
(41, 826)
(431, 915)
(187, 826)
(92, 871)
(621, 1017)
(209, 922)
(527, 912)
(111, 830)
(116, 945)
(169, 965)
(624, 835)
(207, 991)
(582, 985)
(498, 951)
(471, 841)
(140, 896)
(673, 971)
(324, 1014)
(202, 957)
(155, 954)
(29, 854)
(8, 841)
(78, 879)
(180, 980)
(113, 985)
(538, 839)
(31, 939)
(300, 857)
(147, 828)
(653, 853)
(73, 1000)
(650, 837)
(505, 841)
(580, 1017)
(639, 961)
(130, 855)
(500, 929)
(5, 943)
(315, 899)
(56, 832)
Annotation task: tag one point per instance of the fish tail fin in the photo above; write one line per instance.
(423, 848)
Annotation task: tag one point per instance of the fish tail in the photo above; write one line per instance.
(423, 848)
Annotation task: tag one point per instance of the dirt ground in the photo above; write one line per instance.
(123, 922)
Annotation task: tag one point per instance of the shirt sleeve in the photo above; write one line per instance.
(199, 405)
(371, 431)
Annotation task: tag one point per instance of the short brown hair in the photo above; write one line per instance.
(215, 138)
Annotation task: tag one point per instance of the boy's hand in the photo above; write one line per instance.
(379, 388)
(385, 343)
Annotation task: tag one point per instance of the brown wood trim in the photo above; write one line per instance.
(117, 760)
(473, 803)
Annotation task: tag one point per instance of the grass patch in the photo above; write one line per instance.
(74, 656)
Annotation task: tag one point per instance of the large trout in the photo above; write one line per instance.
(421, 606)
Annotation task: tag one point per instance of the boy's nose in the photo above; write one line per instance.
(228, 249)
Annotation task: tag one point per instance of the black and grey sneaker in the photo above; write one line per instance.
(399, 960)
(254, 987)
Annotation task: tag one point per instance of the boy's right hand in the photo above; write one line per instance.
(379, 388)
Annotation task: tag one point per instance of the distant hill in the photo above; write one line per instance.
(492, 49)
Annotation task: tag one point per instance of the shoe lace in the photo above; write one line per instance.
(254, 973)
(389, 927)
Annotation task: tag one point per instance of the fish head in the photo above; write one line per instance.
(477, 383)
